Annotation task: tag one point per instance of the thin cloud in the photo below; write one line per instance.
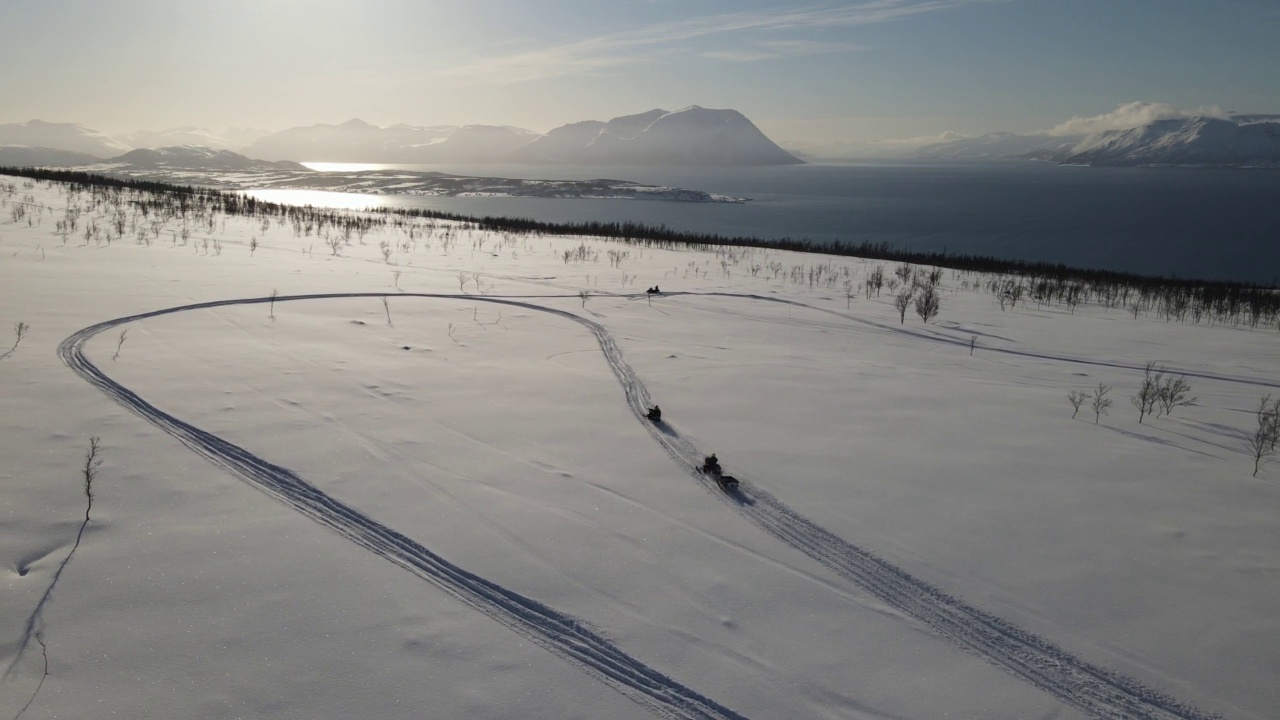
(1130, 115)
(628, 48)
(778, 49)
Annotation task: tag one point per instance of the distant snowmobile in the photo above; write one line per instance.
(654, 414)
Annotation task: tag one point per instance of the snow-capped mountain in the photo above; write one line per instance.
(176, 137)
(193, 157)
(359, 141)
(60, 136)
(573, 143)
(1187, 141)
(692, 136)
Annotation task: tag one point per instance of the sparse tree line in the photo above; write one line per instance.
(1160, 392)
(1044, 283)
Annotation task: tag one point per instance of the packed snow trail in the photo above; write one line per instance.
(909, 332)
(1094, 690)
(562, 634)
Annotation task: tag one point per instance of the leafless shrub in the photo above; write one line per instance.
(902, 301)
(19, 331)
(123, 334)
(1262, 442)
(1175, 392)
(1148, 395)
(1100, 402)
(1076, 398)
(928, 302)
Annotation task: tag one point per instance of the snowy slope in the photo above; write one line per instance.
(573, 143)
(60, 136)
(1190, 141)
(177, 137)
(281, 483)
(693, 136)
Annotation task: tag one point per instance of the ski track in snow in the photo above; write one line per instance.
(1094, 690)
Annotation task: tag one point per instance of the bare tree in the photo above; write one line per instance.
(19, 331)
(1262, 442)
(875, 281)
(1175, 392)
(928, 302)
(386, 307)
(1149, 391)
(1076, 398)
(1100, 402)
(584, 294)
(902, 301)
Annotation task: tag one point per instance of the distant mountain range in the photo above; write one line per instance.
(60, 136)
(692, 136)
(1190, 141)
(1234, 141)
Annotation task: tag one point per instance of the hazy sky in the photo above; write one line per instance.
(854, 71)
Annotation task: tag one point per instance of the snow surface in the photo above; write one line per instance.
(280, 499)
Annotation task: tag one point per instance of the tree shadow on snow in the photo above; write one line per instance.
(1165, 441)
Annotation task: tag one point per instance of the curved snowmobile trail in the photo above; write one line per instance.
(1092, 689)
(558, 632)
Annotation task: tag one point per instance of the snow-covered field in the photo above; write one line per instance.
(450, 506)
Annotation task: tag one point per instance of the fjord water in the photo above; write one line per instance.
(1214, 223)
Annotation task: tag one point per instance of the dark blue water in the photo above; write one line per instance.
(1188, 222)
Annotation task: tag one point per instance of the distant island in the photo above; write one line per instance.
(227, 170)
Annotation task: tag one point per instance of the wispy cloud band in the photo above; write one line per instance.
(614, 50)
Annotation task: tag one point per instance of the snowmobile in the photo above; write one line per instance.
(654, 414)
(711, 466)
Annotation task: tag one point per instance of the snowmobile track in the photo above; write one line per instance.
(1094, 690)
